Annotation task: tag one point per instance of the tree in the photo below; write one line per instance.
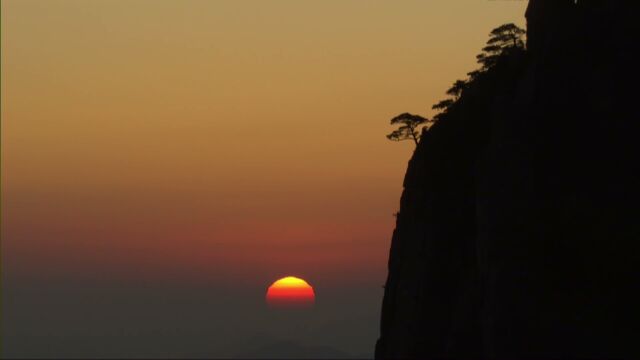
(507, 35)
(408, 129)
(443, 105)
(502, 40)
(456, 89)
(473, 74)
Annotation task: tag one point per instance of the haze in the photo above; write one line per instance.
(164, 161)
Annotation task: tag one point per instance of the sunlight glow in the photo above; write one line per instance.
(290, 292)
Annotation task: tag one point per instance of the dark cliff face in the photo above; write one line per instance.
(518, 233)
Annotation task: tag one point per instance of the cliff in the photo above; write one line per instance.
(518, 232)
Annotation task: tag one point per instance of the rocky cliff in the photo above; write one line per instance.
(518, 233)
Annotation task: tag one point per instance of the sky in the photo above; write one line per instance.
(163, 162)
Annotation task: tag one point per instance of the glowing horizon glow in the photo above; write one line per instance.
(290, 292)
(169, 133)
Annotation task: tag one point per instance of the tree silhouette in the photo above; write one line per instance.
(473, 74)
(409, 124)
(456, 89)
(502, 39)
(507, 35)
(443, 105)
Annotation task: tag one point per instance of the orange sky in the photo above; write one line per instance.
(220, 139)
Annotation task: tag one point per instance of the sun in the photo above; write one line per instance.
(290, 292)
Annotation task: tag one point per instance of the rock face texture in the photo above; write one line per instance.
(519, 228)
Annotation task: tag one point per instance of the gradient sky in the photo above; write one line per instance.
(210, 145)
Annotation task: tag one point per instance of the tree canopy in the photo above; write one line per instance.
(408, 129)
(502, 40)
(443, 105)
(456, 89)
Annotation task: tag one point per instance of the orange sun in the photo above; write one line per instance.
(290, 292)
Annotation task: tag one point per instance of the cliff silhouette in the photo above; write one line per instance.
(518, 232)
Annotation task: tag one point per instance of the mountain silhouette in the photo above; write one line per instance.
(518, 232)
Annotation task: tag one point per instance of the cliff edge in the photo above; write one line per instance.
(518, 232)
